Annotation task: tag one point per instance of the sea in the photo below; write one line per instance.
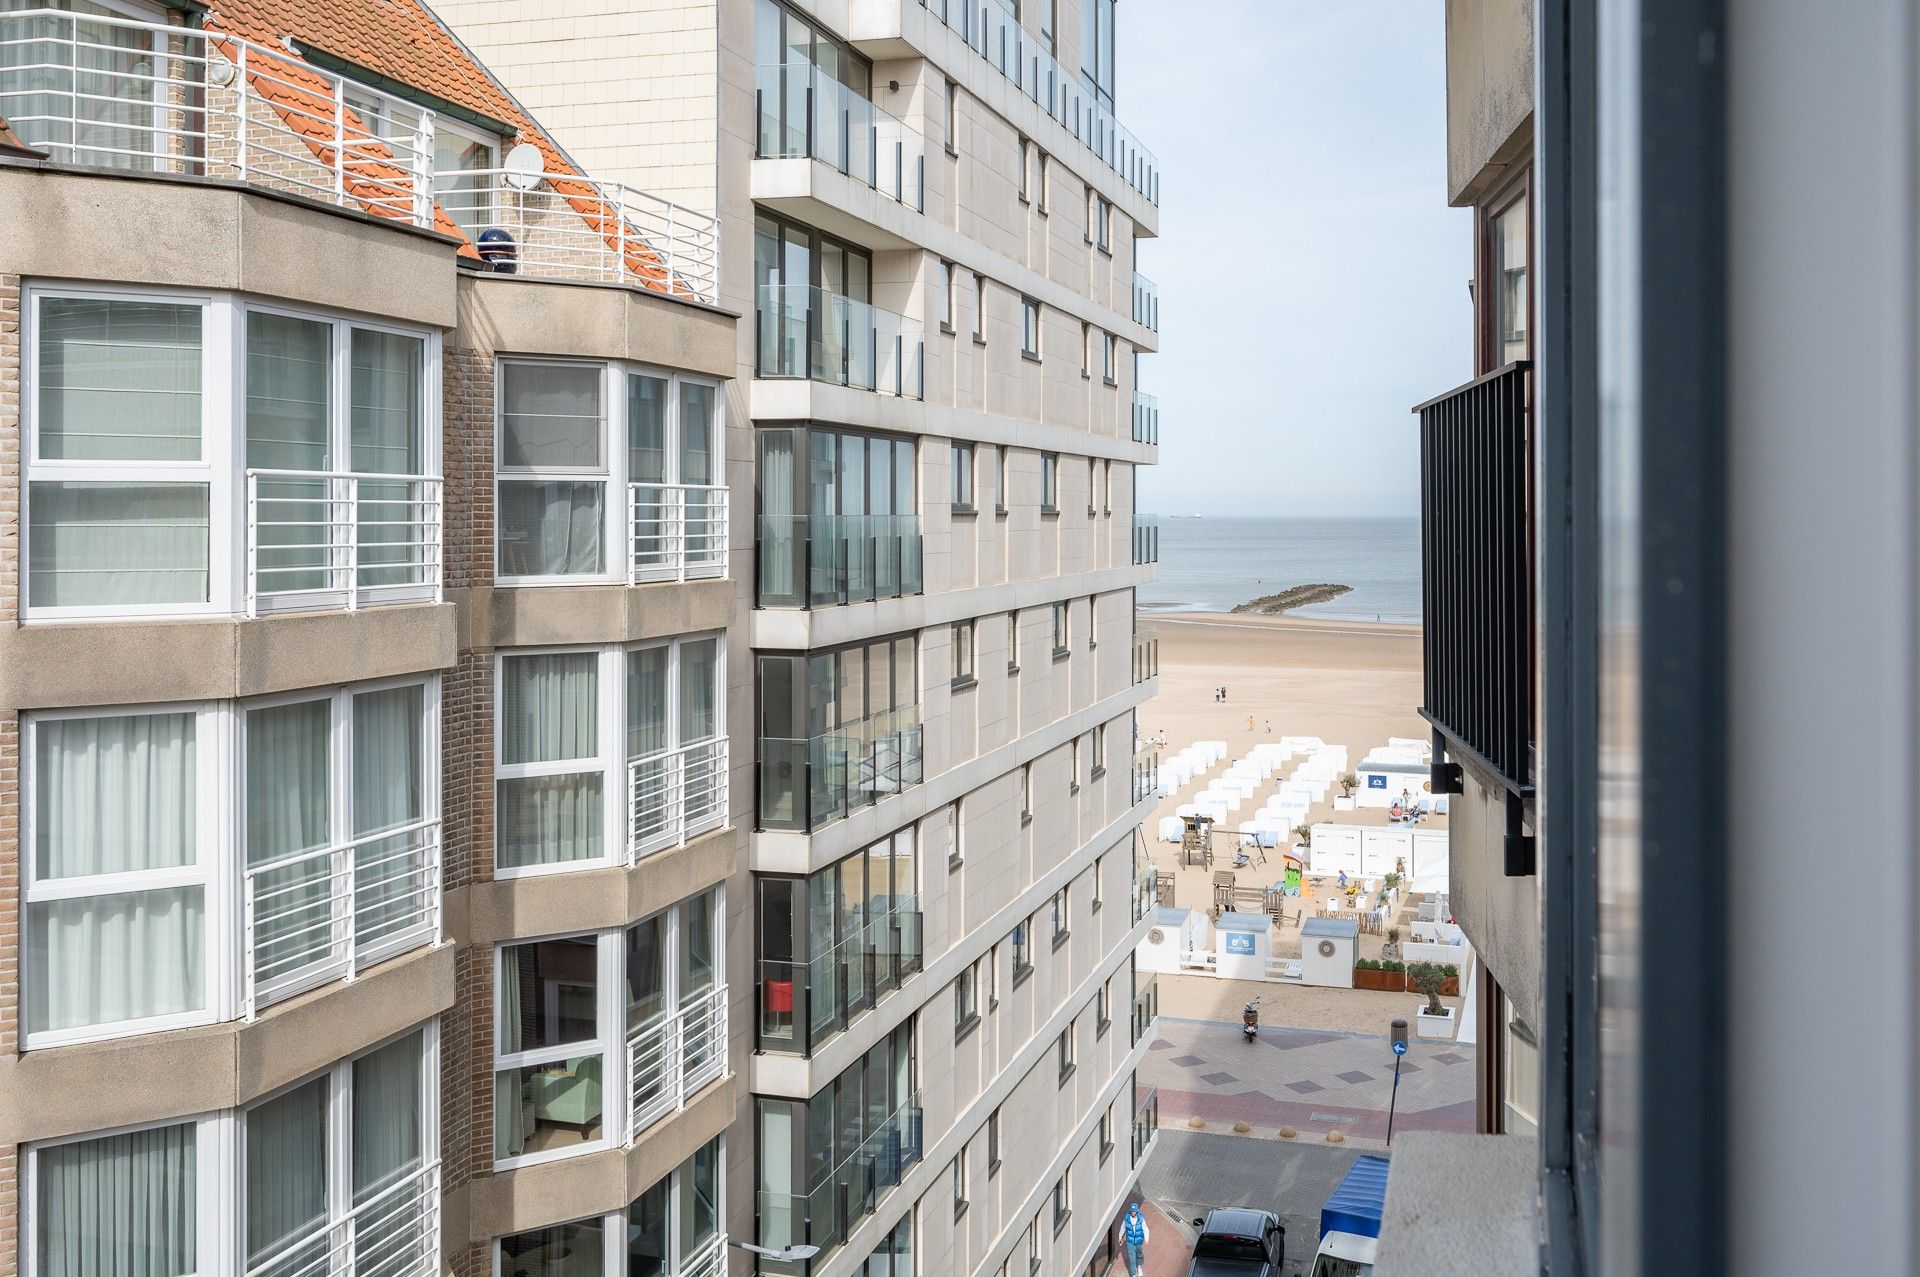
(1210, 564)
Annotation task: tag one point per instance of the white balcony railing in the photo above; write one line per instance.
(145, 97)
(709, 1259)
(673, 1054)
(676, 795)
(563, 227)
(133, 96)
(317, 916)
(678, 532)
(331, 539)
(395, 1232)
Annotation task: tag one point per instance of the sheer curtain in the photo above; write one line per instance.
(386, 408)
(512, 1107)
(390, 874)
(550, 714)
(780, 530)
(290, 427)
(552, 420)
(114, 796)
(286, 1181)
(289, 774)
(699, 689)
(388, 1121)
(120, 1206)
(551, 529)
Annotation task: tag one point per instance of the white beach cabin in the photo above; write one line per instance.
(1335, 849)
(1242, 943)
(1327, 950)
(1383, 780)
(1175, 936)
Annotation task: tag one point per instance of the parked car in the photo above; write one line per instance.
(1238, 1243)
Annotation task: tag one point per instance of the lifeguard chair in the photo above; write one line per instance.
(1196, 842)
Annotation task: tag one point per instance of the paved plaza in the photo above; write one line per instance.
(1312, 1080)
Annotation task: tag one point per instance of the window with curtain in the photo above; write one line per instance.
(550, 1059)
(552, 463)
(118, 1204)
(119, 480)
(116, 876)
(551, 787)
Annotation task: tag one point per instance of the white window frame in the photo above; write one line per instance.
(617, 1126)
(613, 1224)
(220, 804)
(610, 758)
(222, 467)
(220, 1158)
(616, 537)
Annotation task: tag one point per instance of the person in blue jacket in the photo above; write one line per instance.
(1134, 1232)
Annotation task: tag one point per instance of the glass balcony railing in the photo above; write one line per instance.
(1146, 418)
(1146, 1005)
(1146, 302)
(809, 332)
(1146, 539)
(848, 1193)
(804, 114)
(804, 1005)
(804, 784)
(825, 560)
(1146, 659)
(1146, 1124)
(990, 28)
(1146, 776)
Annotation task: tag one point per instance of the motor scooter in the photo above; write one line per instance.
(1250, 1021)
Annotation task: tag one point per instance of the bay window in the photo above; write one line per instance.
(839, 517)
(339, 1171)
(575, 504)
(564, 798)
(597, 1036)
(141, 895)
(671, 1230)
(154, 490)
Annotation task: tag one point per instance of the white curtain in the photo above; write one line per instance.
(114, 795)
(286, 1188)
(699, 689)
(386, 413)
(120, 1206)
(388, 772)
(92, 544)
(387, 1116)
(290, 427)
(512, 1107)
(289, 774)
(779, 529)
(551, 529)
(550, 713)
(696, 433)
(646, 429)
(647, 701)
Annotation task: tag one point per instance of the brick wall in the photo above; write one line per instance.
(9, 748)
(9, 447)
(467, 462)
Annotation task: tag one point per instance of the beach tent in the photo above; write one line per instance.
(1423, 747)
(1170, 828)
(1382, 848)
(1382, 781)
(1174, 935)
(1334, 849)
(1242, 943)
(1327, 950)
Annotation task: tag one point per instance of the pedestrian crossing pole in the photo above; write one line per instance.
(1397, 1033)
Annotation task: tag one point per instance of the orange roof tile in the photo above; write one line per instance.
(403, 40)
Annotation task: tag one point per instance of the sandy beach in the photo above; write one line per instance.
(1349, 683)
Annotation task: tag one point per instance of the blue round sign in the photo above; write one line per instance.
(1399, 1048)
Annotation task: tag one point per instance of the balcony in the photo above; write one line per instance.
(322, 915)
(1146, 660)
(395, 1230)
(1146, 539)
(564, 227)
(676, 532)
(804, 784)
(1146, 418)
(671, 1056)
(1146, 302)
(991, 30)
(127, 96)
(805, 114)
(1477, 565)
(847, 1193)
(804, 1005)
(318, 540)
(1146, 1005)
(832, 559)
(675, 796)
(809, 332)
(1146, 1124)
(1146, 776)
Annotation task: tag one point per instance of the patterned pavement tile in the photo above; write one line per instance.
(1354, 1075)
(1448, 1057)
(1304, 1087)
(1160, 1044)
(1186, 1061)
(1216, 1079)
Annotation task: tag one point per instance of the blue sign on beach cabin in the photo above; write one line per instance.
(1376, 782)
(1239, 941)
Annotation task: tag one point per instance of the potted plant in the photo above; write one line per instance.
(1302, 836)
(1380, 975)
(1391, 949)
(1432, 1020)
(1348, 783)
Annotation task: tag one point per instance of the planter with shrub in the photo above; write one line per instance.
(1382, 974)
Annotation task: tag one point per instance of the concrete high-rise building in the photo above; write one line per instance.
(567, 676)
(929, 217)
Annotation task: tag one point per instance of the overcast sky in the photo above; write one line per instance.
(1313, 281)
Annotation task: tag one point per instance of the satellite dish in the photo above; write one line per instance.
(525, 167)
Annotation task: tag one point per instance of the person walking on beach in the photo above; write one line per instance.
(1134, 1233)
(1249, 722)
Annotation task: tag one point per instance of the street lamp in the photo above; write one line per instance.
(785, 1255)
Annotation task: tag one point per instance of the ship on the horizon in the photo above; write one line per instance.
(1184, 516)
